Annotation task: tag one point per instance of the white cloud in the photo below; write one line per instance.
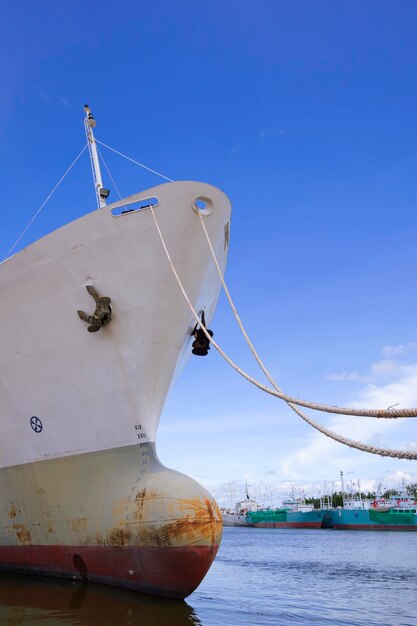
(400, 350)
(268, 445)
(233, 151)
(395, 384)
(389, 367)
(265, 133)
(47, 98)
(343, 376)
(400, 388)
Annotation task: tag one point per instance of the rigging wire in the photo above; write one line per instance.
(109, 173)
(8, 253)
(136, 162)
(399, 454)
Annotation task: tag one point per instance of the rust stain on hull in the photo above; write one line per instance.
(14, 511)
(118, 537)
(150, 521)
(186, 522)
(159, 519)
(22, 533)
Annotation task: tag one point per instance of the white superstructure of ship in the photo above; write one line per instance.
(237, 515)
(82, 492)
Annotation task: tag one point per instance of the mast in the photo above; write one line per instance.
(101, 192)
(343, 489)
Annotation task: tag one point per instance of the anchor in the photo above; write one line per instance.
(102, 314)
(201, 344)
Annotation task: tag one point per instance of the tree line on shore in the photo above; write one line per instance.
(336, 498)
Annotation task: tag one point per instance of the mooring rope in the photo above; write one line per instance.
(389, 413)
(292, 402)
(399, 454)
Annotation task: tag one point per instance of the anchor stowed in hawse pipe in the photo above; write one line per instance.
(201, 343)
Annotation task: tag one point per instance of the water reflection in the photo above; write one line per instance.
(33, 601)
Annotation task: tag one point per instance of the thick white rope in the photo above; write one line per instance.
(399, 454)
(42, 205)
(387, 413)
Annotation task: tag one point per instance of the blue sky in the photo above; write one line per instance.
(304, 113)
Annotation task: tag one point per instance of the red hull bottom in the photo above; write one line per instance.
(373, 527)
(164, 571)
(289, 525)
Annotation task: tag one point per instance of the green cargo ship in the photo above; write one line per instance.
(294, 513)
(396, 512)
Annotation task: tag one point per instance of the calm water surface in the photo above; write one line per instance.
(260, 577)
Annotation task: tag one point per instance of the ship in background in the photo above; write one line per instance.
(294, 513)
(238, 515)
(395, 512)
(94, 331)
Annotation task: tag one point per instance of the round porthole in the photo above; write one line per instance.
(203, 205)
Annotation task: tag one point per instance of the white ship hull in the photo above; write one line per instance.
(75, 475)
(234, 519)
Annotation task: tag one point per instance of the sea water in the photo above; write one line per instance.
(261, 577)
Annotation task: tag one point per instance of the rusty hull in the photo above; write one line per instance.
(116, 516)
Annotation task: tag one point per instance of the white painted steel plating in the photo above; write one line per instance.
(98, 391)
(86, 498)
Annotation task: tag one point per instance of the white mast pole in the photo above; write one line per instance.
(89, 124)
(343, 489)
